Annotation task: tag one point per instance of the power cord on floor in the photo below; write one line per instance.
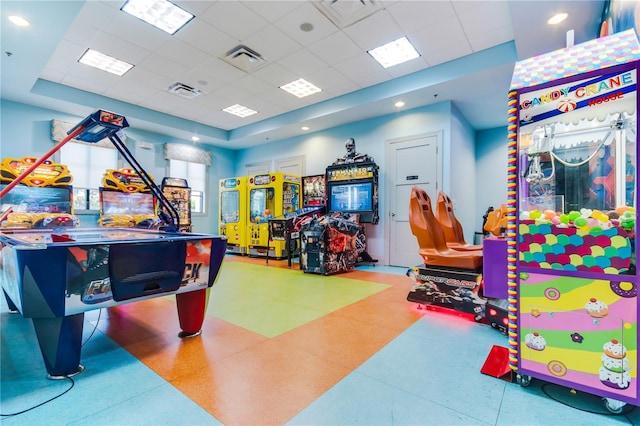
(66, 377)
(94, 329)
(42, 403)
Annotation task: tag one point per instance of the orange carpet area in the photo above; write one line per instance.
(243, 377)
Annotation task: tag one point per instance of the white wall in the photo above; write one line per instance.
(462, 172)
(491, 169)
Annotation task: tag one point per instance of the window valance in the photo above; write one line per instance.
(174, 151)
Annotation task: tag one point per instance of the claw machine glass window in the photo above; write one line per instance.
(261, 204)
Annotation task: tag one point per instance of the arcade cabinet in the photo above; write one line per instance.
(313, 191)
(338, 241)
(270, 195)
(572, 250)
(44, 199)
(449, 278)
(234, 213)
(287, 227)
(126, 201)
(178, 194)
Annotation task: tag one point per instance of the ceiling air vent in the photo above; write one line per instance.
(245, 58)
(344, 13)
(184, 91)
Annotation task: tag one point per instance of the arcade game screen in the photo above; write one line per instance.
(116, 202)
(352, 197)
(30, 199)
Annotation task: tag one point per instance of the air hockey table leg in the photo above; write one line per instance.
(191, 310)
(60, 340)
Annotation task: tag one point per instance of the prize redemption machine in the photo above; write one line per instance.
(287, 227)
(234, 214)
(126, 201)
(53, 276)
(270, 195)
(336, 242)
(573, 283)
(178, 193)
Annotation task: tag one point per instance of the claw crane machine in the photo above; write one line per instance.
(270, 195)
(234, 214)
(572, 275)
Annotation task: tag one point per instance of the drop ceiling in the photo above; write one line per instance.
(468, 50)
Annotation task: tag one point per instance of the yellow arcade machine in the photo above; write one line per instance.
(270, 195)
(233, 213)
(44, 199)
(126, 201)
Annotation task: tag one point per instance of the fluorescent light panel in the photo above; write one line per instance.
(161, 14)
(107, 63)
(300, 88)
(239, 110)
(394, 53)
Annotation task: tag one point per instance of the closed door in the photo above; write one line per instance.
(412, 161)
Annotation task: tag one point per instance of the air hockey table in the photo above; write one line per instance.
(54, 277)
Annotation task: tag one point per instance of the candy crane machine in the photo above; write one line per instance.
(571, 249)
(234, 213)
(270, 195)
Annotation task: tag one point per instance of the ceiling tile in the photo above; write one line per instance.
(206, 38)
(272, 43)
(374, 31)
(496, 36)
(118, 48)
(413, 15)
(163, 66)
(235, 19)
(333, 82)
(183, 53)
(303, 62)
(139, 75)
(448, 53)
(290, 24)
(220, 70)
(136, 31)
(276, 74)
(363, 70)
(408, 67)
(335, 48)
(96, 13)
(484, 16)
(252, 85)
(273, 10)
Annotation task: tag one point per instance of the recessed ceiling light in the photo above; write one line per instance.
(300, 88)
(19, 21)
(160, 13)
(399, 104)
(195, 138)
(394, 53)
(239, 110)
(557, 18)
(305, 128)
(107, 63)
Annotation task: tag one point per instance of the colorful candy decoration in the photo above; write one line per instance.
(588, 240)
